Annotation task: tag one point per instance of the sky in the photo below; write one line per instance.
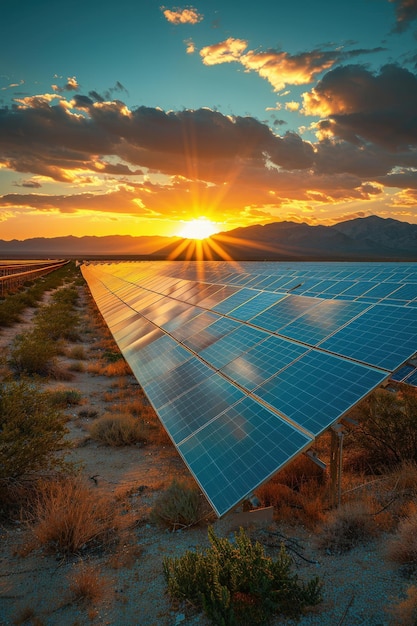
(135, 117)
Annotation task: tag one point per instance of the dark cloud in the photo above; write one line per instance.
(229, 161)
(96, 96)
(32, 184)
(406, 12)
(362, 106)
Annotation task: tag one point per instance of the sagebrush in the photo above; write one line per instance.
(236, 584)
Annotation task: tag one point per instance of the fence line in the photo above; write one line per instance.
(12, 276)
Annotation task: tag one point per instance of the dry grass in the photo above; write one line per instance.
(77, 353)
(101, 368)
(180, 506)
(402, 548)
(88, 585)
(348, 526)
(76, 366)
(68, 516)
(63, 397)
(298, 493)
(119, 429)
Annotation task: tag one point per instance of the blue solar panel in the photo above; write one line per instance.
(284, 312)
(412, 379)
(258, 303)
(380, 337)
(402, 373)
(232, 345)
(233, 454)
(258, 364)
(330, 386)
(246, 364)
(322, 320)
(197, 406)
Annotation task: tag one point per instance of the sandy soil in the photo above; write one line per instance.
(35, 587)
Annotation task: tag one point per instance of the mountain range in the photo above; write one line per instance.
(369, 238)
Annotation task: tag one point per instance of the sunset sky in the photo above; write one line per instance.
(134, 117)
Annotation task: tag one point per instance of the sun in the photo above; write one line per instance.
(199, 228)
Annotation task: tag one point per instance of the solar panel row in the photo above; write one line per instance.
(244, 369)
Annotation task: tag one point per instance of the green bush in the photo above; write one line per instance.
(178, 506)
(31, 432)
(33, 353)
(236, 584)
(62, 398)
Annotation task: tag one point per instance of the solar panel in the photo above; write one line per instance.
(246, 364)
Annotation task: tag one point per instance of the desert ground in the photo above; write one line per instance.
(360, 586)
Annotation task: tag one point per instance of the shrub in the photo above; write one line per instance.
(70, 517)
(235, 583)
(118, 430)
(87, 584)
(63, 398)
(177, 507)
(31, 431)
(386, 427)
(346, 527)
(78, 353)
(33, 353)
(402, 548)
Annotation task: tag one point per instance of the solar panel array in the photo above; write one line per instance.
(246, 364)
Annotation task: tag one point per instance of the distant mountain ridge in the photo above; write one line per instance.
(368, 238)
(89, 245)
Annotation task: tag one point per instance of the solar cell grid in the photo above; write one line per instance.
(330, 386)
(412, 379)
(263, 361)
(197, 406)
(194, 325)
(322, 320)
(253, 306)
(210, 334)
(283, 312)
(221, 316)
(174, 381)
(233, 301)
(243, 446)
(232, 345)
(381, 337)
(402, 373)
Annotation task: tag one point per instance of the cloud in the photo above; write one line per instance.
(182, 16)
(224, 52)
(292, 106)
(361, 106)
(406, 12)
(13, 85)
(204, 157)
(34, 184)
(278, 68)
(70, 85)
(281, 68)
(120, 201)
(190, 46)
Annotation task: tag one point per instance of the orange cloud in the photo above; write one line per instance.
(224, 52)
(281, 68)
(182, 16)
